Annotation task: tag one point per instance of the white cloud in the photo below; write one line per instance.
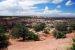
(17, 6)
(5, 4)
(32, 2)
(5, 12)
(26, 7)
(56, 1)
(56, 12)
(69, 3)
(47, 11)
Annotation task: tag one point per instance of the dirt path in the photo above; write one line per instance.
(48, 44)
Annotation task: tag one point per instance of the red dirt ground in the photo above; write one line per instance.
(49, 43)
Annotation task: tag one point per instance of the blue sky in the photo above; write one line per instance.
(37, 7)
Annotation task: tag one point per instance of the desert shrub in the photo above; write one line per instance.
(33, 36)
(73, 40)
(61, 27)
(58, 35)
(2, 29)
(71, 27)
(68, 28)
(20, 31)
(3, 37)
(3, 41)
(39, 27)
(73, 45)
(46, 31)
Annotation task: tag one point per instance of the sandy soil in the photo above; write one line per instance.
(48, 44)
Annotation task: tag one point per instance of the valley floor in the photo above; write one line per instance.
(49, 44)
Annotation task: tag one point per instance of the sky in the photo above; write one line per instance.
(37, 7)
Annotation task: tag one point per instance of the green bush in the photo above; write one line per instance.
(46, 31)
(39, 27)
(3, 37)
(64, 27)
(2, 29)
(73, 40)
(73, 45)
(33, 36)
(3, 41)
(71, 27)
(58, 35)
(61, 27)
(20, 31)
